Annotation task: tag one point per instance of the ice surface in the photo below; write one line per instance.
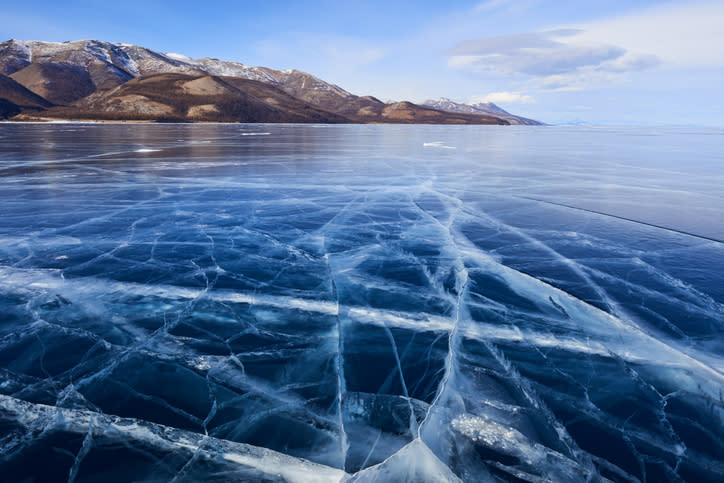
(437, 144)
(102, 433)
(343, 303)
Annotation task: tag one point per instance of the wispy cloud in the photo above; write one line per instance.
(680, 34)
(602, 52)
(550, 57)
(510, 44)
(536, 54)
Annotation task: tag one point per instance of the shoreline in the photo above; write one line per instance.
(144, 121)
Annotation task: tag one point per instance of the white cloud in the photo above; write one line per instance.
(502, 98)
(512, 44)
(631, 62)
(581, 79)
(541, 54)
(603, 52)
(679, 34)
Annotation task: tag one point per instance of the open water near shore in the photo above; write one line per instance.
(390, 303)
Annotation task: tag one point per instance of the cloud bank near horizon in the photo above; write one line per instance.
(601, 53)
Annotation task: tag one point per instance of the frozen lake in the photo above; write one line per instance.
(302, 302)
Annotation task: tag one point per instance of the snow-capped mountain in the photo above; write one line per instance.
(85, 77)
(111, 64)
(128, 59)
(485, 108)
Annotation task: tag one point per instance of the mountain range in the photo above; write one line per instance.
(97, 80)
(481, 108)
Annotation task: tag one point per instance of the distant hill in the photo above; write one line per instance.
(92, 79)
(481, 108)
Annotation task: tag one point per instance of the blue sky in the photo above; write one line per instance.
(602, 62)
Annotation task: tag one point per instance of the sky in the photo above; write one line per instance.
(608, 62)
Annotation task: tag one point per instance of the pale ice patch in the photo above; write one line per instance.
(414, 462)
(418, 322)
(437, 144)
(507, 439)
(114, 153)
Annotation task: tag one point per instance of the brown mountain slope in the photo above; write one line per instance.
(65, 71)
(368, 109)
(181, 97)
(15, 98)
(58, 83)
(16, 93)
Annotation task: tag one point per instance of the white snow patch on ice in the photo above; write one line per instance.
(437, 144)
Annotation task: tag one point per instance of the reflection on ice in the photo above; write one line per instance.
(212, 309)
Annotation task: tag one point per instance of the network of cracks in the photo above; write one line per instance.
(294, 333)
